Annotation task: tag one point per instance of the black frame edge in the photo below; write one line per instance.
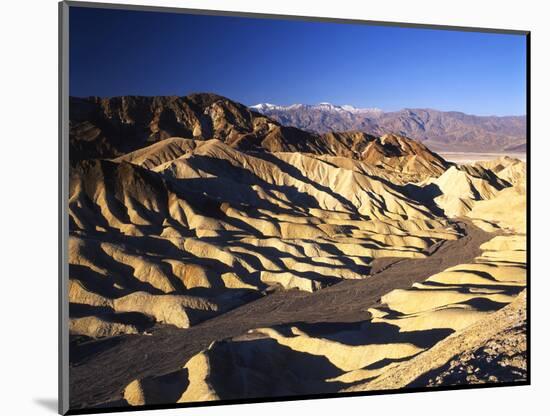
(63, 229)
(528, 201)
(255, 15)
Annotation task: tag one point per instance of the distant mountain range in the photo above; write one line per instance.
(439, 130)
(326, 107)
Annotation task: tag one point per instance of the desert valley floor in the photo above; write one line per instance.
(216, 254)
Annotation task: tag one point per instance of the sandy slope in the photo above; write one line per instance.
(408, 341)
(185, 217)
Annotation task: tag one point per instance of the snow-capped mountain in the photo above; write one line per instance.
(324, 106)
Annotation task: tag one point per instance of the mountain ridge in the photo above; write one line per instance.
(111, 127)
(440, 130)
(351, 108)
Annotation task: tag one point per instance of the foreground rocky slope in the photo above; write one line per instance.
(218, 261)
(446, 330)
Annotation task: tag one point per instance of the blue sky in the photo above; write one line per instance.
(115, 52)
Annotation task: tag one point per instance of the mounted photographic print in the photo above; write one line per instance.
(261, 208)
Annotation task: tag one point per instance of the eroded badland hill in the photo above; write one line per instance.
(217, 254)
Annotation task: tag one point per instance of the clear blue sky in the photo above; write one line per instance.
(284, 62)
